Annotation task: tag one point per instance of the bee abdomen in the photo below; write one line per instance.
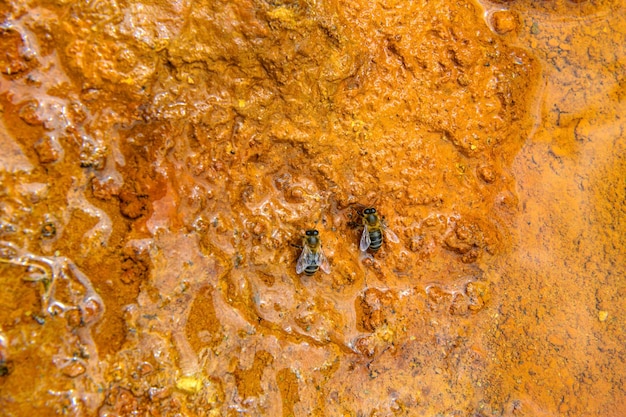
(376, 238)
(311, 269)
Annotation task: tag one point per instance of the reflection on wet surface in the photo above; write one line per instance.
(162, 163)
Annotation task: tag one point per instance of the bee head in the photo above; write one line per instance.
(369, 214)
(311, 237)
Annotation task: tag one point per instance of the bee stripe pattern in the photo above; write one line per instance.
(376, 236)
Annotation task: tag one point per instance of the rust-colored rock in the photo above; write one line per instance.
(161, 161)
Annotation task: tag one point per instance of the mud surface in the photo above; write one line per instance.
(161, 162)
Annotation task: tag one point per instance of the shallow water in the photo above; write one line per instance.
(162, 162)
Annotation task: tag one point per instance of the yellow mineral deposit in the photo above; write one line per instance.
(603, 315)
(162, 161)
(189, 384)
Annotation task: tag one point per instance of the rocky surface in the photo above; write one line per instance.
(161, 163)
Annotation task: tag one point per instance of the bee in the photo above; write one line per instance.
(374, 229)
(312, 257)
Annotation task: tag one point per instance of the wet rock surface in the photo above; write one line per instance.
(161, 163)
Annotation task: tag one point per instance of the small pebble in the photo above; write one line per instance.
(504, 21)
(556, 340)
(603, 315)
(487, 174)
(47, 151)
(73, 370)
(144, 369)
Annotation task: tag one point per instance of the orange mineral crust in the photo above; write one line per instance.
(313, 208)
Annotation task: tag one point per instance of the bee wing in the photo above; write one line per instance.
(323, 261)
(391, 235)
(304, 260)
(365, 239)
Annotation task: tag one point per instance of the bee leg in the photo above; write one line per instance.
(354, 225)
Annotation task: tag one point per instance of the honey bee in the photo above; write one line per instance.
(312, 257)
(374, 228)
